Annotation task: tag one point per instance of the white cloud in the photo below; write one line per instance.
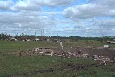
(107, 24)
(99, 8)
(96, 17)
(5, 5)
(35, 5)
(26, 22)
(26, 5)
(22, 20)
(54, 2)
(28, 16)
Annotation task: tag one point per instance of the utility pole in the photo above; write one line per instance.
(103, 38)
(41, 33)
(35, 33)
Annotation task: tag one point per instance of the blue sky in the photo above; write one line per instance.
(64, 17)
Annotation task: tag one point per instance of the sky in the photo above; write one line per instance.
(58, 17)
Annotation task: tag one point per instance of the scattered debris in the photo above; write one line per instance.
(106, 46)
(101, 56)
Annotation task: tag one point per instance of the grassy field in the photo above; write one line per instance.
(46, 66)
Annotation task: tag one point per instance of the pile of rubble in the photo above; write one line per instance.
(102, 56)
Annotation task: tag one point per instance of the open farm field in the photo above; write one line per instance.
(50, 66)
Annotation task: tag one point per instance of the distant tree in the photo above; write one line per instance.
(4, 36)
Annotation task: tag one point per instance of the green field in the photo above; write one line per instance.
(41, 66)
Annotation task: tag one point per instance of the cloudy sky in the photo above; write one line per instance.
(62, 17)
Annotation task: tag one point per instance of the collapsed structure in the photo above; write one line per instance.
(100, 55)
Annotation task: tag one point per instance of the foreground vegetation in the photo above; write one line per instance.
(46, 66)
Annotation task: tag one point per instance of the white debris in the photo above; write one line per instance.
(106, 46)
(61, 44)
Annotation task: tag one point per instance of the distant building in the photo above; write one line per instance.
(37, 39)
(111, 42)
(13, 39)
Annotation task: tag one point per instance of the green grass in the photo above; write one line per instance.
(12, 65)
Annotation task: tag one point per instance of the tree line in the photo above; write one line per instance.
(4, 36)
